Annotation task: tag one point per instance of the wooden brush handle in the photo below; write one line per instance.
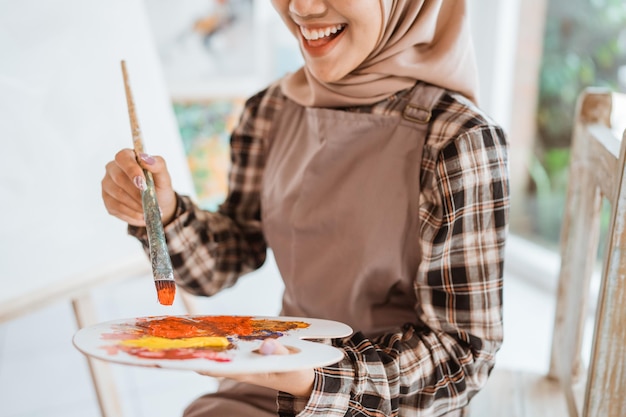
(159, 255)
(132, 114)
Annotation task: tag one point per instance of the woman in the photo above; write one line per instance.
(383, 192)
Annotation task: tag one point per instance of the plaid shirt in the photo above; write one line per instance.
(433, 367)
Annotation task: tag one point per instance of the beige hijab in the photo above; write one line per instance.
(427, 40)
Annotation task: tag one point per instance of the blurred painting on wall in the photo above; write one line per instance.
(205, 129)
(204, 43)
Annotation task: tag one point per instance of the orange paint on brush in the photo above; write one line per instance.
(165, 292)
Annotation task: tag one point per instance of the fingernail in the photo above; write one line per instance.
(147, 158)
(140, 182)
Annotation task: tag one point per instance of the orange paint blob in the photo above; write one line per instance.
(242, 327)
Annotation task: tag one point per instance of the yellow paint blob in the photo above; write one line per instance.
(161, 343)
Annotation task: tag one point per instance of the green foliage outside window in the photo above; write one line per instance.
(584, 45)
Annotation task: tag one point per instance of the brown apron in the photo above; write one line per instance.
(340, 207)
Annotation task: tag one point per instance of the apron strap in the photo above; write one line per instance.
(418, 112)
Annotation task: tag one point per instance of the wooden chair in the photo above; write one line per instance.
(597, 172)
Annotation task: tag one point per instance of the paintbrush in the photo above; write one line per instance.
(159, 255)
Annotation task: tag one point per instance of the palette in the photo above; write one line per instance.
(220, 344)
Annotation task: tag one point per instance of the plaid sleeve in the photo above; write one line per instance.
(435, 366)
(210, 250)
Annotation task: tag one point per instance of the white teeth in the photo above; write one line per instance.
(314, 34)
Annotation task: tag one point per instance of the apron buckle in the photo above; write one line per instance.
(417, 114)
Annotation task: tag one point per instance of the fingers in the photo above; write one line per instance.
(123, 181)
(298, 383)
(121, 197)
(157, 166)
(273, 347)
(163, 185)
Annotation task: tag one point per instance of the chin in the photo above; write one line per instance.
(327, 77)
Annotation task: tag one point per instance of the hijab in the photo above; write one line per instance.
(421, 40)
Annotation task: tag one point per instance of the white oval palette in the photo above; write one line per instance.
(219, 344)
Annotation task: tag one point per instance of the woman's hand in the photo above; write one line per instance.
(297, 383)
(124, 180)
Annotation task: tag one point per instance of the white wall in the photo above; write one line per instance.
(494, 25)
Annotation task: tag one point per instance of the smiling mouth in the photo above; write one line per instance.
(321, 36)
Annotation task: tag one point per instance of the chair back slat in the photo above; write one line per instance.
(579, 243)
(596, 172)
(606, 383)
(604, 158)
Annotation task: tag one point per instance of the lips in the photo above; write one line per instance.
(318, 40)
